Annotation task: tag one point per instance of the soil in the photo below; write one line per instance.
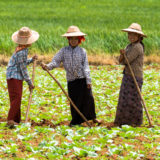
(48, 123)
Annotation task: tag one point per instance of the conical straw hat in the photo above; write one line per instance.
(73, 31)
(25, 36)
(135, 28)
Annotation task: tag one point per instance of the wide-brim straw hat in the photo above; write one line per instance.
(25, 36)
(73, 31)
(135, 28)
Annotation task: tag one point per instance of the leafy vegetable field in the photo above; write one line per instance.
(48, 136)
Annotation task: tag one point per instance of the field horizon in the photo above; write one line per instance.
(93, 59)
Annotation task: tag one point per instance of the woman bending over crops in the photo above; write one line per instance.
(129, 110)
(75, 63)
(17, 71)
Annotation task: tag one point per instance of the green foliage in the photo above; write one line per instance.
(63, 142)
(101, 20)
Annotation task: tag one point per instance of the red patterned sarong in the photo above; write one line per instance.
(15, 88)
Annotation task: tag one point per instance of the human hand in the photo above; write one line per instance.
(44, 66)
(35, 57)
(89, 86)
(31, 87)
(122, 51)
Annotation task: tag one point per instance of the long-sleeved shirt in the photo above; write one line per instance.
(17, 66)
(75, 63)
(135, 56)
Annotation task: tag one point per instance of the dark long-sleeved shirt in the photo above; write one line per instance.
(135, 55)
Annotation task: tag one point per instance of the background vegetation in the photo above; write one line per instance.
(102, 20)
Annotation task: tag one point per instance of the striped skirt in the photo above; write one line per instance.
(129, 109)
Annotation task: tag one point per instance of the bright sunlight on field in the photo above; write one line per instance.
(48, 136)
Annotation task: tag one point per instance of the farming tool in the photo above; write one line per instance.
(139, 92)
(30, 95)
(75, 107)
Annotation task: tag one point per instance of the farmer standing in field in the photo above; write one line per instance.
(129, 109)
(17, 71)
(75, 63)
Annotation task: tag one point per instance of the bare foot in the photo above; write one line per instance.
(12, 123)
(97, 121)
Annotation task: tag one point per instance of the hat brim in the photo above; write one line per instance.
(73, 34)
(134, 31)
(25, 40)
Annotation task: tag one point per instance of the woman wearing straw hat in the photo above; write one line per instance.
(75, 63)
(129, 109)
(17, 71)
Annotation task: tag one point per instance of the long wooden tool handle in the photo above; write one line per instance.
(75, 107)
(30, 95)
(138, 89)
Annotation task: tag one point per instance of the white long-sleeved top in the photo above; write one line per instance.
(75, 63)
